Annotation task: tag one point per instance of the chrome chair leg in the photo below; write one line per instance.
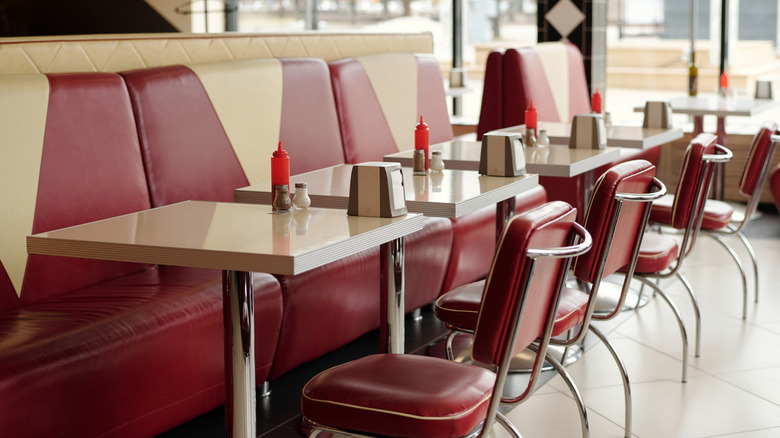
(752, 254)
(575, 392)
(736, 259)
(508, 426)
(623, 374)
(448, 346)
(680, 323)
(696, 312)
(264, 391)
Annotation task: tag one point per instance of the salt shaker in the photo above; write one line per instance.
(301, 198)
(418, 165)
(437, 162)
(543, 140)
(281, 203)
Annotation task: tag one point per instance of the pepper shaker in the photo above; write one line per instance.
(281, 202)
(418, 165)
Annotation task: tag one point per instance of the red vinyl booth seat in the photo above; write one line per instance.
(95, 348)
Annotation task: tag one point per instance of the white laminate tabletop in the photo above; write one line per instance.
(449, 194)
(554, 160)
(635, 137)
(227, 236)
(710, 104)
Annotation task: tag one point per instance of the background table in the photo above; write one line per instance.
(449, 194)
(239, 239)
(635, 137)
(554, 160)
(721, 107)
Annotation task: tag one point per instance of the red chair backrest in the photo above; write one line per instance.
(694, 179)
(543, 227)
(629, 177)
(761, 151)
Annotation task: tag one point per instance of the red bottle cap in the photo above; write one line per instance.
(595, 102)
(280, 153)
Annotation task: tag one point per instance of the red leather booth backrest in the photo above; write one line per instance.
(186, 151)
(91, 169)
(379, 100)
(525, 79)
(628, 177)
(309, 126)
(762, 148)
(694, 177)
(491, 112)
(546, 226)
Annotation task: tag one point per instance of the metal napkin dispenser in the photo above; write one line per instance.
(502, 155)
(658, 115)
(376, 189)
(588, 132)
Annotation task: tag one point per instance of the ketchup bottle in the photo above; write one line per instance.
(280, 170)
(595, 102)
(530, 117)
(421, 140)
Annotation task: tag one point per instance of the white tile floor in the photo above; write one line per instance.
(733, 388)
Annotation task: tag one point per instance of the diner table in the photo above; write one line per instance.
(554, 160)
(238, 239)
(448, 194)
(634, 137)
(721, 107)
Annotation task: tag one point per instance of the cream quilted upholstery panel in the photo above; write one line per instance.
(251, 115)
(24, 101)
(112, 53)
(394, 79)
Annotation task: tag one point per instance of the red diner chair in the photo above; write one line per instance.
(406, 395)
(720, 219)
(616, 219)
(660, 256)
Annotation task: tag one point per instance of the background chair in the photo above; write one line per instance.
(618, 212)
(660, 257)
(720, 219)
(421, 396)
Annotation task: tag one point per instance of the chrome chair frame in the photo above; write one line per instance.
(689, 237)
(659, 190)
(735, 228)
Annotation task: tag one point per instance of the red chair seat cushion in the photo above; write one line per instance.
(657, 253)
(400, 395)
(571, 310)
(459, 308)
(717, 214)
